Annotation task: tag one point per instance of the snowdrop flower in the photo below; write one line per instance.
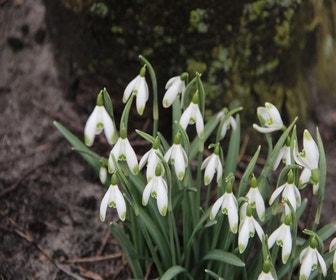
(212, 164)
(290, 194)
(152, 159)
(157, 187)
(309, 159)
(123, 151)
(192, 115)
(103, 174)
(138, 86)
(229, 205)
(247, 228)
(113, 198)
(284, 155)
(270, 119)
(178, 157)
(265, 276)
(255, 199)
(282, 237)
(230, 122)
(332, 247)
(310, 259)
(174, 86)
(98, 121)
(266, 272)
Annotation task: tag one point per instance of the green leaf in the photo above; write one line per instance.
(108, 103)
(89, 156)
(213, 274)
(249, 169)
(174, 271)
(233, 151)
(223, 256)
(128, 249)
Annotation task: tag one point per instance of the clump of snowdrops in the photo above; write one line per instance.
(182, 211)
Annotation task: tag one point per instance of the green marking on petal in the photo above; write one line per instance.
(123, 216)
(234, 229)
(241, 248)
(163, 211)
(136, 169)
(181, 175)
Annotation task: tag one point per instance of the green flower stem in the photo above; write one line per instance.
(322, 182)
(176, 114)
(155, 94)
(125, 113)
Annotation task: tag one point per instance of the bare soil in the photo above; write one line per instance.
(49, 198)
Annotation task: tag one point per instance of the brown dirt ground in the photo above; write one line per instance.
(49, 199)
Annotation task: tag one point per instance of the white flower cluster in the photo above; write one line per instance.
(240, 212)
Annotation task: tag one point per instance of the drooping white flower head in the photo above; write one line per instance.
(192, 115)
(123, 151)
(157, 188)
(174, 87)
(290, 194)
(229, 205)
(113, 198)
(310, 259)
(103, 174)
(308, 158)
(212, 164)
(152, 159)
(98, 121)
(266, 271)
(230, 122)
(332, 247)
(177, 156)
(284, 155)
(265, 276)
(138, 86)
(255, 199)
(282, 237)
(270, 119)
(247, 228)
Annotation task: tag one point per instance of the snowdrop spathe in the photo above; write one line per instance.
(113, 198)
(193, 115)
(270, 119)
(98, 121)
(174, 87)
(157, 188)
(138, 86)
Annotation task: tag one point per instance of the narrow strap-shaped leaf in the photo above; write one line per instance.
(213, 274)
(249, 169)
(89, 156)
(223, 256)
(128, 249)
(108, 103)
(233, 151)
(174, 271)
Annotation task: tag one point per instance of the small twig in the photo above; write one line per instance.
(95, 258)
